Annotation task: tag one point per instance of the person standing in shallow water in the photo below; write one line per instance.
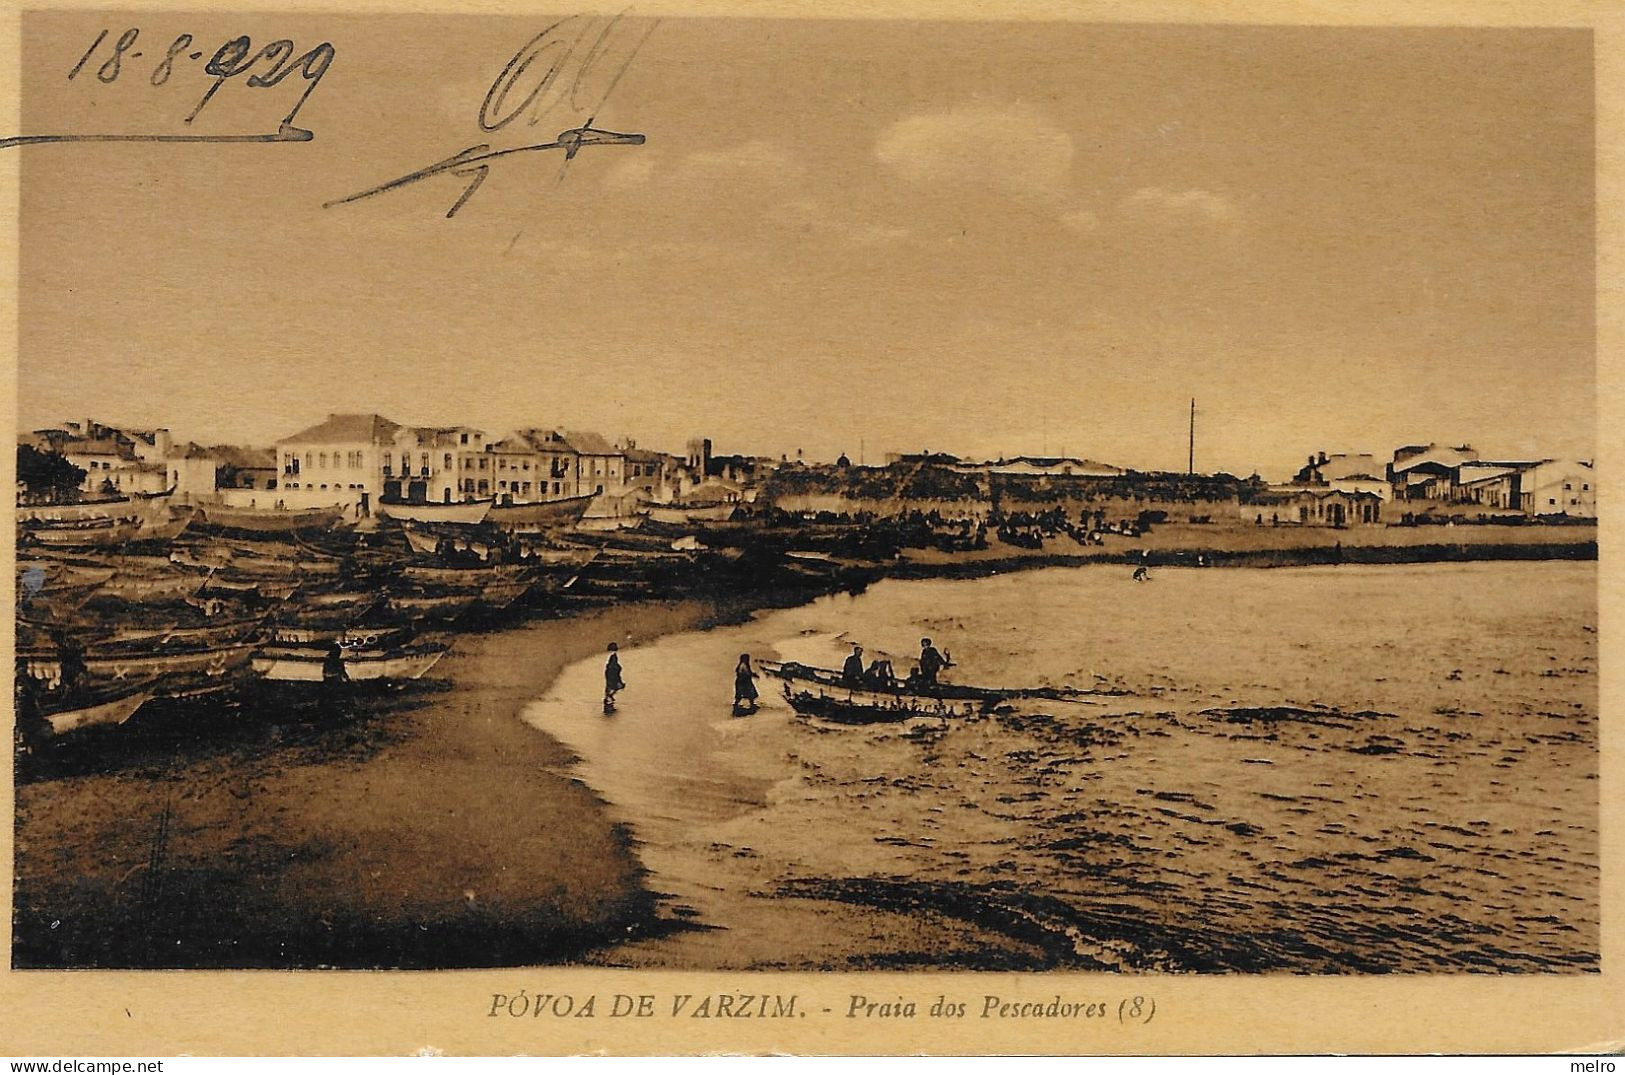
(931, 662)
(744, 686)
(612, 678)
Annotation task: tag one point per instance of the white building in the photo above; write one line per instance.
(340, 461)
(1560, 487)
(193, 473)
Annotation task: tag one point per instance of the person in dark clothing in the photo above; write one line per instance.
(612, 678)
(931, 662)
(852, 670)
(880, 674)
(744, 686)
(31, 730)
(72, 672)
(333, 664)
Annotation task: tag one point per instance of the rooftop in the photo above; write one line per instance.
(347, 429)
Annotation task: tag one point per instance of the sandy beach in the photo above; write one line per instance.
(425, 827)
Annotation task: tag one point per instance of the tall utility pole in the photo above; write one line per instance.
(1190, 465)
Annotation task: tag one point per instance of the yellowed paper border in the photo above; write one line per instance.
(160, 1013)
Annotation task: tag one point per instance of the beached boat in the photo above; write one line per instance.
(501, 594)
(349, 600)
(309, 664)
(597, 524)
(463, 577)
(209, 659)
(464, 511)
(309, 632)
(270, 520)
(691, 513)
(540, 515)
(143, 640)
(124, 663)
(151, 587)
(121, 510)
(481, 541)
(108, 533)
(106, 707)
(436, 607)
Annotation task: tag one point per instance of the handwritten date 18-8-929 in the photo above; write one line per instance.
(568, 70)
(272, 63)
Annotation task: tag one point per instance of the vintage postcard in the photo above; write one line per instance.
(692, 528)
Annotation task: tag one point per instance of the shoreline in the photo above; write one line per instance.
(417, 828)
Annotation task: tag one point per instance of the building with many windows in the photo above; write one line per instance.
(344, 460)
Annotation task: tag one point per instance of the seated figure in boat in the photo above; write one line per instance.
(852, 670)
(879, 674)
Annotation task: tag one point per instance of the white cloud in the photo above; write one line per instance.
(1012, 148)
(632, 171)
(1082, 221)
(1161, 205)
(745, 169)
(813, 216)
(756, 161)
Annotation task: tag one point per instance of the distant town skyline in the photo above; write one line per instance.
(1486, 449)
(981, 239)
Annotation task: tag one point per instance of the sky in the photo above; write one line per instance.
(839, 236)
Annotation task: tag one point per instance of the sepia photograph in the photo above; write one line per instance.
(669, 492)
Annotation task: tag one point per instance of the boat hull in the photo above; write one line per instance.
(709, 513)
(542, 515)
(115, 711)
(866, 707)
(295, 664)
(268, 520)
(469, 511)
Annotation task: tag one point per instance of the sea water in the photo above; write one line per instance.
(1320, 769)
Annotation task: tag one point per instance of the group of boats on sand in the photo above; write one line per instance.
(125, 603)
(128, 602)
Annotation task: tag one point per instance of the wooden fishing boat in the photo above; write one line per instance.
(35, 576)
(829, 679)
(209, 659)
(271, 520)
(347, 635)
(691, 513)
(92, 534)
(105, 707)
(619, 541)
(866, 708)
(541, 514)
(463, 577)
(463, 511)
(135, 506)
(499, 595)
(137, 664)
(598, 524)
(145, 639)
(95, 511)
(533, 549)
(153, 588)
(437, 607)
(308, 664)
(350, 600)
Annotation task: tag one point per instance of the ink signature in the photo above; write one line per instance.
(570, 62)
